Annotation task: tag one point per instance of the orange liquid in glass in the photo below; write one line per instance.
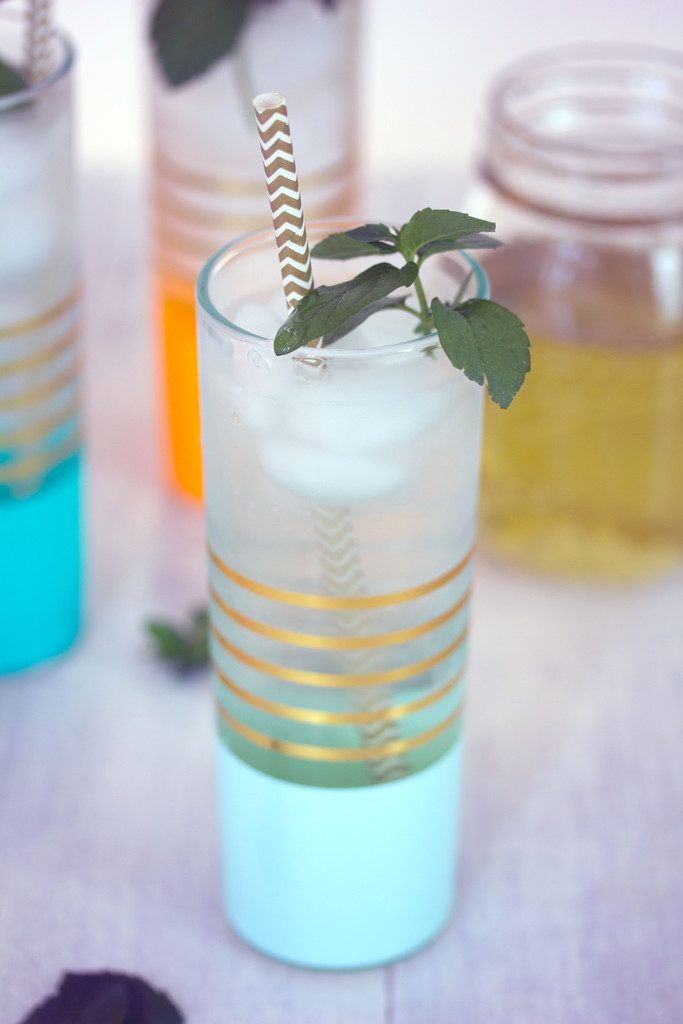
(178, 342)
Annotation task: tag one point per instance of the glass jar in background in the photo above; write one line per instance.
(40, 432)
(207, 174)
(582, 170)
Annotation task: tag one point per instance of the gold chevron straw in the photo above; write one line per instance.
(39, 35)
(333, 527)
(284, 195)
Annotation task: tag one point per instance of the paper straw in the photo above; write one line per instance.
(39, 35)
(284, 196)
(339, 557)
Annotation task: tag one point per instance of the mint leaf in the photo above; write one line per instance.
(371, 233)
(325, 309)
(347, 245)
(10, 80)
(355, 321)
(184, 648)
(487, 342)
(458, 341)
(477, 241)
(105, 998)
(429, 225)
(189, 36)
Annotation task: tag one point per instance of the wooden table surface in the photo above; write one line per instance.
(570, 904)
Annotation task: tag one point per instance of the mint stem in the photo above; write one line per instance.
(425, 316)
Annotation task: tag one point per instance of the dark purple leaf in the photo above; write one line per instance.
(105, 998)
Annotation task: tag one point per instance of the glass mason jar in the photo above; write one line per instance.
(39, 367)
(207, 175)
(341, 491)
(582, 169)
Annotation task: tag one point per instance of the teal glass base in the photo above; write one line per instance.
(335, 878)
(40, 569)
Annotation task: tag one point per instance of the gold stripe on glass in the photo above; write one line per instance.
(306, 677)
(311, 752)
(32, 323)
(44, 390)
(321, 642)
(314, 716)
(324, 602)
(186, 177)
(40, 428)
(39, 463)
(188, 216)
(176, 239)
(41, 356)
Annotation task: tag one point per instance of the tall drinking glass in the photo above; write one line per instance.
(40, 559)
(341, 492)
(207, 175)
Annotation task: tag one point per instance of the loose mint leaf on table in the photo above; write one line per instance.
(429, 225)
(368, 240)
(185, 648)
(487, 342)
(10, 80)
(324, 310)
(189, 36)
(105, 998)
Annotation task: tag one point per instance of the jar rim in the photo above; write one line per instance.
(246, 242)
(605, 59)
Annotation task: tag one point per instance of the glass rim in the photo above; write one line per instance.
(534, 68)
(244, 242)
(21, 96)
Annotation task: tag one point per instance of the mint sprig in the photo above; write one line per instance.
(483, 339)
(326, 309)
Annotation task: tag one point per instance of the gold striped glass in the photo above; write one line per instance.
(39, 359)
(207, 177)
(341, 490)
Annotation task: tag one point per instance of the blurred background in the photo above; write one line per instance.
(424, 74)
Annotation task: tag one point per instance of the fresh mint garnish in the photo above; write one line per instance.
(487, 342)
(105, 998)
(364, 241)
(10, 80)
(428, 226)
(480, 337)
(324, 310)
(184, 648)
(190, 36)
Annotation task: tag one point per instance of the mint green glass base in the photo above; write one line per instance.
(40, 575)
(338, 878)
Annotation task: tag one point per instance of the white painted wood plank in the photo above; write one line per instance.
(570, 905)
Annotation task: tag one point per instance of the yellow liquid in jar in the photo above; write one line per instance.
(583, 474)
